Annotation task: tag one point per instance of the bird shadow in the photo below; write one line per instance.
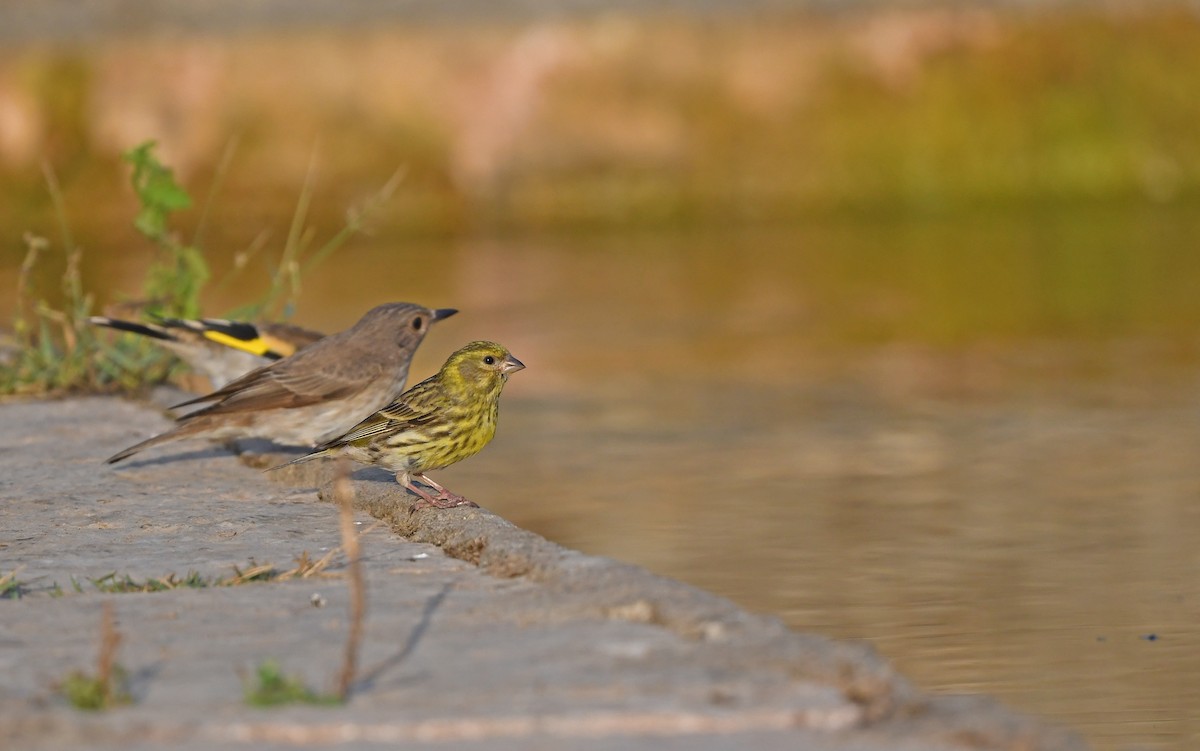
(248, 446)
(375, 474)
(370, 677)
(207, 453)
(267, 447)
(139, 682)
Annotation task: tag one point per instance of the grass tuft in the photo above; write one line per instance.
(271, 687)
(112, 583)
(108, 687)
(10, 587)
(305, 568)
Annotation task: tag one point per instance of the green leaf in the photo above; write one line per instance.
(156, 189)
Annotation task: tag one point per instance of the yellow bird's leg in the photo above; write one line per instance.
(444, 499)
(426, 499)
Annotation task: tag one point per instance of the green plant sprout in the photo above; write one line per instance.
(271, 687)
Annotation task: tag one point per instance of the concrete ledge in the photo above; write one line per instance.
(621, 591)
(889, 705)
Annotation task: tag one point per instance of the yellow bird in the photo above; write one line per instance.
(444, 419)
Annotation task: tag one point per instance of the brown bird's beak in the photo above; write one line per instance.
(441, 313)
(511, 365)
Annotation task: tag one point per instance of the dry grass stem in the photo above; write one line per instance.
(344, 494)
(307, 568)
(256, 572)
(110, 640)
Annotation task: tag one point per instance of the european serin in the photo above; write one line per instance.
(316, 394)
(442, 420)
(218, 349)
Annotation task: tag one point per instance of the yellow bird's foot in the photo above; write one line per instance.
(445, 499)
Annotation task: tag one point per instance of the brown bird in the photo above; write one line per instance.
(218, 349)
(316, 394)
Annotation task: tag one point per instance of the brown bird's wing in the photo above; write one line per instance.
(276, 386)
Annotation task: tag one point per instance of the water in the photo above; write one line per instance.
(972, 443)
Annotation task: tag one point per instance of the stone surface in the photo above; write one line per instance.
(478, 633)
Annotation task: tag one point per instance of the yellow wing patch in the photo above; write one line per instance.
(277, 347)
(257, 346)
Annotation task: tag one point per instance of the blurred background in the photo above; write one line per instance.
(878, 317)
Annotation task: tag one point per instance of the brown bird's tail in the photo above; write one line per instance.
(184, 430)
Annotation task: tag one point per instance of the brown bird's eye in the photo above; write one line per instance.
(418, 322)
(489, 360)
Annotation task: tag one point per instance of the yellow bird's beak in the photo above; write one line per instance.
(511, 365)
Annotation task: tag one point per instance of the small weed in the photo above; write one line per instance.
(112, 583)
(257, 572)
(271, 687)
(307, 567)
(59, 351)
(107, 688)
(174, 282)
(294, 263)
(10, 587)
(91, 693)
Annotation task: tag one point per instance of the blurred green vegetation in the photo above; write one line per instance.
(90, 693)
(676, 122)
(57, 350)
(174, 281)
(938, 175)
(1066, 108)
(54, 349)
(271, 687)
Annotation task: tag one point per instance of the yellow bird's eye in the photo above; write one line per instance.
(489, 360)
